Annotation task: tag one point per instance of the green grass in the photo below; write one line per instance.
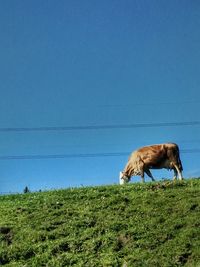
(153, 224)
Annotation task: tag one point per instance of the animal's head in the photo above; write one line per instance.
(123, 178)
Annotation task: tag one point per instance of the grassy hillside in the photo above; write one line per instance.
(155, 224)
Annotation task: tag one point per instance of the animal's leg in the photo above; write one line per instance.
(149, 174)
(175, 174)
(142, 176)
(179, 172)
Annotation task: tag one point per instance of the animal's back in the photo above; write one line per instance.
(157, 154)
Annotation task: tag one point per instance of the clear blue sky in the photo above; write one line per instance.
(82, 63)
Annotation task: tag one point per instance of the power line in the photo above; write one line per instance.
(146, 104)
(98, 127)
(79, 155)
(63, 156)
(192, 150)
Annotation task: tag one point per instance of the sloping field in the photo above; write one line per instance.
(155, 224)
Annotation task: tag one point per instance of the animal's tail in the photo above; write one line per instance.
(179, 160)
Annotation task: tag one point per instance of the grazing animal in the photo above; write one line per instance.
(152, 157)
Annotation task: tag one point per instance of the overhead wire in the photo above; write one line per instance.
(89, 127)
(79, 155)
(98, 127)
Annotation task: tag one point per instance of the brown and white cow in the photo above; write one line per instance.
(152, 157)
